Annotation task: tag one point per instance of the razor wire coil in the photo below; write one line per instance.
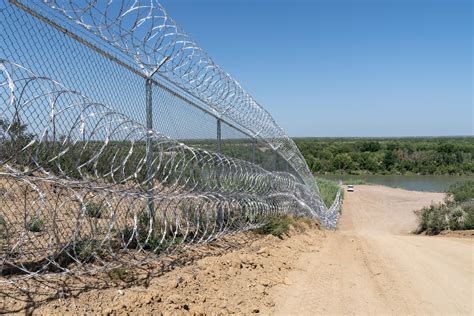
(85, 187)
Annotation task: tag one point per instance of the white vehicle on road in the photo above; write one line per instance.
(350, 188)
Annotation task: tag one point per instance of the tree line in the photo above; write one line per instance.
(430, 155)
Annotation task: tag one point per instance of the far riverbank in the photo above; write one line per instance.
(425, 183)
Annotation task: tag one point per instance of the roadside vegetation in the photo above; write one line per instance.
(430, 155)
(281, 225)
(456, 213)
(354, 181)
(328, 190)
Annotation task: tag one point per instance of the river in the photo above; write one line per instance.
(428, 183)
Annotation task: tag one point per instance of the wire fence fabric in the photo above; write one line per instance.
(166, 151)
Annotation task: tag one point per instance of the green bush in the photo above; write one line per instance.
(462, 191)
(118, 274)
(35, 225)
(456, 213)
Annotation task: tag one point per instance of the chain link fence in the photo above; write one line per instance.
(121, 140)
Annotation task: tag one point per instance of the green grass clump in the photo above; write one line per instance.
(84, 250)
(93, 209)
(328, 190)
(35, 224)
(277, 225)
(143, 238)
(280, 225)
(456, 213)
(118, 274)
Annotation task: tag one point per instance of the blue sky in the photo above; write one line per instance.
(342, 67)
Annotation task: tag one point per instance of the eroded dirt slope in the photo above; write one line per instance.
(234, 275)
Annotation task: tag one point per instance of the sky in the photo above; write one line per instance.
(330, 68)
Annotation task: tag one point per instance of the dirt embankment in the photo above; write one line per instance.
(371, 264)
(233, 275)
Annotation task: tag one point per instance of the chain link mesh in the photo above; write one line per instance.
(121, 140)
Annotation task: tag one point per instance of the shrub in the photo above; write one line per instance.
(35, 225)
(435, 221)
(462, 191)
(452, 216)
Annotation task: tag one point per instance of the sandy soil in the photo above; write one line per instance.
(231, 275)
(370, 265)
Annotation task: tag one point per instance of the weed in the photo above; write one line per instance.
(456, 213)
(277, 225)
(93, 209)
(82, 251)
(118, 274)
(35, 224)
(143, 238)
(328, 190)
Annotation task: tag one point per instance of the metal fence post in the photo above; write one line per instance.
(219, 215)
(149, 148)
(219, 134)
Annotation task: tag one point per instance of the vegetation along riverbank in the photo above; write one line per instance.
(455, 213)
(417, 155)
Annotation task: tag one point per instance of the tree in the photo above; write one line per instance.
(371, 146)
(343, 162)
(389, 160)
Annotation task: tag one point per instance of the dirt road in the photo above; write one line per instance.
(371, 264)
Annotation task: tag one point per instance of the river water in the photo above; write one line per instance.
(412, 182)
